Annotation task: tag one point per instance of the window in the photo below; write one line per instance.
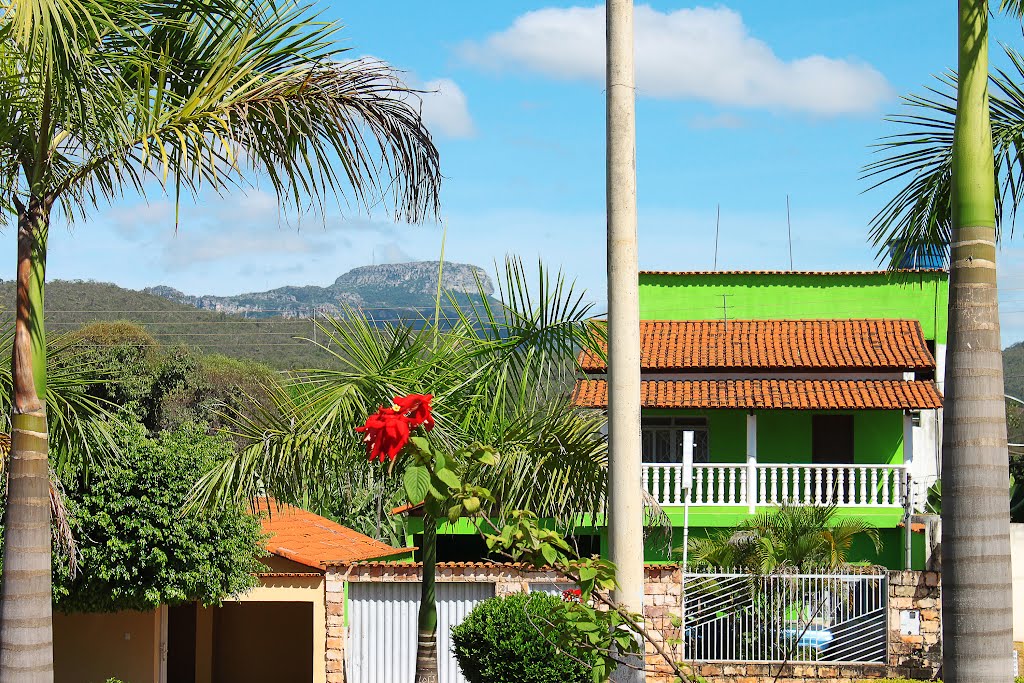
(662, 438)
(832, 439)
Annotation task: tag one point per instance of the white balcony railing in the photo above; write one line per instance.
(842, 485)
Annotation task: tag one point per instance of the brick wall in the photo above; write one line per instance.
(909, 656)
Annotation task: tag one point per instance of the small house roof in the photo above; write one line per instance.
(772, 394)
(711, 345)
(315, 541)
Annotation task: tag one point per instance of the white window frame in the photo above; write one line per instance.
(676, 426)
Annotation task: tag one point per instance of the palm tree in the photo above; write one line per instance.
(499, 375)
(97, 95)
(952, 198)
(802, 537)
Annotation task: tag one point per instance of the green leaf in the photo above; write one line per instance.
(417, 483)
(421, 443)
(587, 573)
(454, 512)
(449, 478)
(550, 554)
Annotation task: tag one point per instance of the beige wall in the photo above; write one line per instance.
(90, 648)
(1017, 557)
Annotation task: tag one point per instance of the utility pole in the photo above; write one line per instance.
(625, 503)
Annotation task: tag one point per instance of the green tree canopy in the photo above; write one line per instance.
(137, 549)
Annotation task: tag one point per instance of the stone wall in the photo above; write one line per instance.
(916, 656)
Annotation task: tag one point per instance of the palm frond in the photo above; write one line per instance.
(918, 163)
(217, 93)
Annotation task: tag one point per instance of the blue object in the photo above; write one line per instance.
(920, 257)
(816, 637)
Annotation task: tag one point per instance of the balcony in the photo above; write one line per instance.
(753, 485)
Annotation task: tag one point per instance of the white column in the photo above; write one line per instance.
(625, 502)
(751, 461)
(908, 455)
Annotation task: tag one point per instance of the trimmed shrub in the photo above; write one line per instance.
(508, 640)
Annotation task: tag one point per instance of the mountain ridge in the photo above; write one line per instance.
(391, 287)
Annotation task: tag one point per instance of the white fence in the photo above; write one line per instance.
(739, 484)
(381, 644)
(838, 618)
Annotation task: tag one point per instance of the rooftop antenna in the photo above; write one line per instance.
(789, 232)
(718, 220)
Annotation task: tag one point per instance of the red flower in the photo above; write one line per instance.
(416, 407)
(572, 595)
(387, 432)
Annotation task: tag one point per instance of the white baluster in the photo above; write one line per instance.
(874, 487)
(863, 487)
(886, 473)
(645, 476)
(851, 495)
(720, 475)
(742, 494)
(762, 488)
(677, 495)
(664, 490)
(786, 492)
(700, 485)
(829, 491)
(774, 483)
(840, 486)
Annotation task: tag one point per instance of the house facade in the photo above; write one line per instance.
(799, 387)
(279, 630)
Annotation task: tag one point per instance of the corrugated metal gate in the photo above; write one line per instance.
(381, 645)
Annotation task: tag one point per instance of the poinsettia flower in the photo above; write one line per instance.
(416, 407)
(386, 433)
(572, 595)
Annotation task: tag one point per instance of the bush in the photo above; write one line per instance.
(504, 640)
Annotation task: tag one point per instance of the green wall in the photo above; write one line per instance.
(784, 436)
(920, 295)
(892, 541)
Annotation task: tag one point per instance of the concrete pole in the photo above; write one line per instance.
(625, 503)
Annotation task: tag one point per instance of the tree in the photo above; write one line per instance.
(103, 94)
(975, 529)
(137, 550)
(802, 537)
(499, 376)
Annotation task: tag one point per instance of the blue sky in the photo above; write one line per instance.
(739, 104)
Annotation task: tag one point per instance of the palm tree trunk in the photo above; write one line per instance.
(976, 587)
(426, 644)
(26, 626)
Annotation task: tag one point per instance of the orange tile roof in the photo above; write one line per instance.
(315, 541)
(772, 394)
(791, 272)
(686, 345)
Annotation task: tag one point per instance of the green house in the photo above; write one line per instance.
(803, 387)
(799, 387)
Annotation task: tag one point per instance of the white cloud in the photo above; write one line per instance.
(700, 53)
(446, 110)
(713, 121)
(443, 104)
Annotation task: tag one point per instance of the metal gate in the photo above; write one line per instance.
(381, 644)
(786, 617)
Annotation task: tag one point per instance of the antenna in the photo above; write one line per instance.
(789, 232)
(725, 311)
(718, 220)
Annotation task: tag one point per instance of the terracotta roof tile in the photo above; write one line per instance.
(688, 345)
(790, 272)
(315, 541)
(772, 394)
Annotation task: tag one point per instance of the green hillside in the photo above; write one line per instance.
(278, 342)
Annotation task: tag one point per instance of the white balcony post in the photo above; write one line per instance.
(751, 461)
(908, 454)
